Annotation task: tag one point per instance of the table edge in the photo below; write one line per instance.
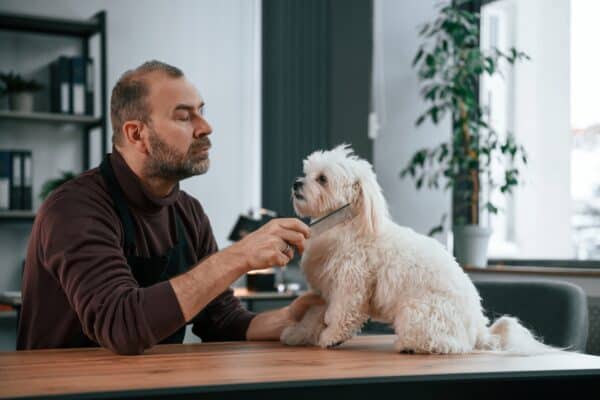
(232, 387)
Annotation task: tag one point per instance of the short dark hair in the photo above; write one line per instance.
(128, 98)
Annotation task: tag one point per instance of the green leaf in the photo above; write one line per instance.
(439, 228)
(435, 230)
(491, 208)
(429, 60)
(418, 56)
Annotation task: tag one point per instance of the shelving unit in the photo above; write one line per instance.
(44, 117)
(17, 215)
(83, 30)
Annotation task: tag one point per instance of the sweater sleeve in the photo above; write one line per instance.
(81, 249)
(224, 318)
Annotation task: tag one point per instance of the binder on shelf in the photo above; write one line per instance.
(60, 85)
(89, 87)
(15, 181)
(78, 84)
(26, 180)
(5, 178)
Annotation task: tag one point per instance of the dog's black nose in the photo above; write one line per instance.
(298, 184)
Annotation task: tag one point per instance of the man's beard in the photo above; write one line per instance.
(167, 163)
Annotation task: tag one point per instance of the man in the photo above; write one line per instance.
(119, 257)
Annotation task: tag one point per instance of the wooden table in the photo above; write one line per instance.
(362, 368)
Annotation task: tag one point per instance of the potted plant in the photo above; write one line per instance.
(19, 91)
(54, 183)
(450, 63)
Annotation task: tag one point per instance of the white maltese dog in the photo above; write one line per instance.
(371, 267)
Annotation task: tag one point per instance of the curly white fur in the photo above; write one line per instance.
(372, 267)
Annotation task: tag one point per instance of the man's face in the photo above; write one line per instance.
(178, 142)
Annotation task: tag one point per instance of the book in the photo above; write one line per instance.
(78, 84)
(26, 180)
(89, 87)
(15, 181)
(60, 85)
(5, 177)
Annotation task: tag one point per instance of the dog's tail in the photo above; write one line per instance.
(508, 335)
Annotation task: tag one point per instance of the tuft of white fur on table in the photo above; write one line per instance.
(371, 267)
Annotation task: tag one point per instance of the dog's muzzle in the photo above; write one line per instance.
(297, 187)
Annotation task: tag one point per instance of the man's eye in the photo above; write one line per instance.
(183, 117)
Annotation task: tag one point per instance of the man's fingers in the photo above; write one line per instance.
(289, 253)
(312, 299)
(293, 238)
(299, 306)
(295, 224)
(281, 259)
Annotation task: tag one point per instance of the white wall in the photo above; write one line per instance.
(215, 43)
(397, 23)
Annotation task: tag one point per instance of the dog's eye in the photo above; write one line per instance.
(322, 179)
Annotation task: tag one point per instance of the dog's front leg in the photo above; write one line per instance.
(345, 315)
(307, 331)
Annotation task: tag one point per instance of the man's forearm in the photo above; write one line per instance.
(199, 286)
(268, 325)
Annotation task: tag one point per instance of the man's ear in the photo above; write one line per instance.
(134, 135)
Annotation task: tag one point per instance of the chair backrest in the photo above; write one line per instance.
(555, 311)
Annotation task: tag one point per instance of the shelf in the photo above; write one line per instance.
(17, 215)
(84, 120)
(8, 314)
(11, 298)
(48, 25)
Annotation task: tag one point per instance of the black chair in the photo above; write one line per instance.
(554, 311)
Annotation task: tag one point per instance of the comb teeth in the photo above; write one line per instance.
(332, 219)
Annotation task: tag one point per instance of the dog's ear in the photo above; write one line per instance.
(369, 203)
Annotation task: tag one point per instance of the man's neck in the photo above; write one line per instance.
(157, 186)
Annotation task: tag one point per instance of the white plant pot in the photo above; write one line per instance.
(471, 245)
(22, 101)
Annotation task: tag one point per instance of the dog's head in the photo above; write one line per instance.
(337, 177)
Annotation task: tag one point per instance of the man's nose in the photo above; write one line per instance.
(202, 127)
(298, 184)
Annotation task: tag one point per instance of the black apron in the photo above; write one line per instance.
(148, 271)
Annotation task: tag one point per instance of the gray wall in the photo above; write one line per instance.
(396, 30)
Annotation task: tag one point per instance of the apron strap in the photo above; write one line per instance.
(120, 204)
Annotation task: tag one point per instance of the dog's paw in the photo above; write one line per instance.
(329, 339)
(294, 336)
(327, 318)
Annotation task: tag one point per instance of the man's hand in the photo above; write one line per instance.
(300, 306)
(272, 244)
(269, 325)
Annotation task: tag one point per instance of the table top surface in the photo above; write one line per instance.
(210, 366)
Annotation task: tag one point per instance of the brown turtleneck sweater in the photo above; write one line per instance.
(78, 290)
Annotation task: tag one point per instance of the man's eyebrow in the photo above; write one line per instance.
(188, 107)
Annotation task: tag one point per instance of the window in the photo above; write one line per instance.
(552, 105)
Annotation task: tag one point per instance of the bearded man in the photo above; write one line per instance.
(120, 257)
